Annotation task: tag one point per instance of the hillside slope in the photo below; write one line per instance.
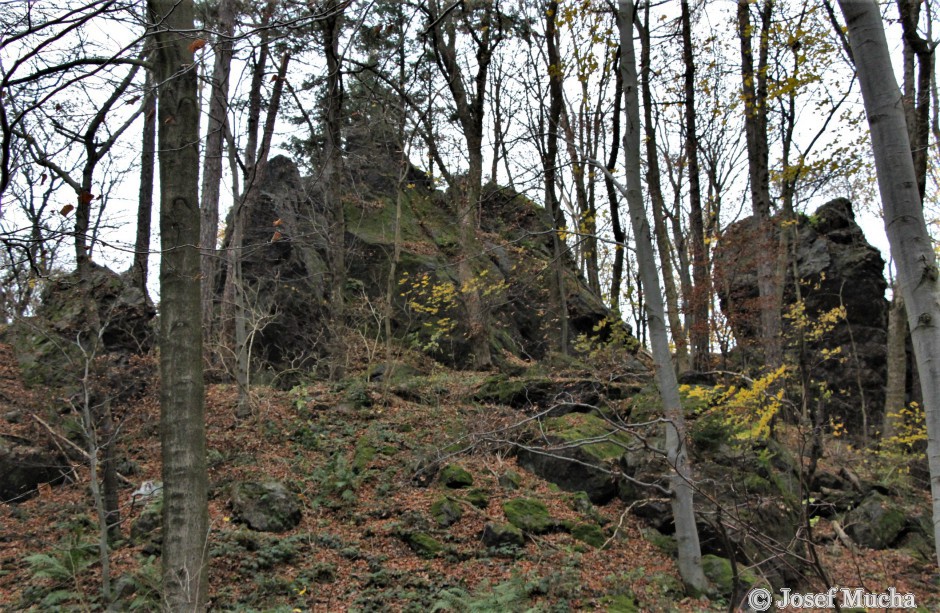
(383, 517)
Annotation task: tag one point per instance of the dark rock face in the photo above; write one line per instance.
(835, 267)
(286, 274)
(23, 467)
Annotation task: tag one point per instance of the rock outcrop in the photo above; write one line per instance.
(835, 267)
(285, 271)
(81, 318)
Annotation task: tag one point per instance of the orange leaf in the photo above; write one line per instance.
(85, 197)
(197, 44)
(278, 222)
(66, 210)
(277, 236)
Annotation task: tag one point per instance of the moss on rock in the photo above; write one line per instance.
(590, 534)
(528, 515)
(455, 477)
(446, 511)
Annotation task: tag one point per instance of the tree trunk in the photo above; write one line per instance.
(910, 242)
(549, 167)
(620, 236)
(587, 223)
(689, 550)
(182, 422)
(754, 90)
(469, 105)
(896, 386)
(145, 194)
(920, 52)
(212, 161)
(683, 363)
(701, 289)
(332, 177)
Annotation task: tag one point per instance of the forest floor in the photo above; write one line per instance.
(354, 455)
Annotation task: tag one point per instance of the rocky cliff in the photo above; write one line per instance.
(284, 266)
(831, 267)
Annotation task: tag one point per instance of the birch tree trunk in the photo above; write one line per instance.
(910, 243)
(690, 555)
(182, 413)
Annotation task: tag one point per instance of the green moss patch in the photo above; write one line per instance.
(455, 477)
(528, 515)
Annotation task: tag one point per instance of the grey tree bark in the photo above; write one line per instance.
(182, 413)
(910, 242)
(896, 385)
(212, 161)
(689, 549)
(148, 154)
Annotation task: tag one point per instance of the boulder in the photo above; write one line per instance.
(575, 468)
(529, 515)
(499, 535)
(455, 477)
(265, 507)
(876, 523)
(446, 511)
(835, 267)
